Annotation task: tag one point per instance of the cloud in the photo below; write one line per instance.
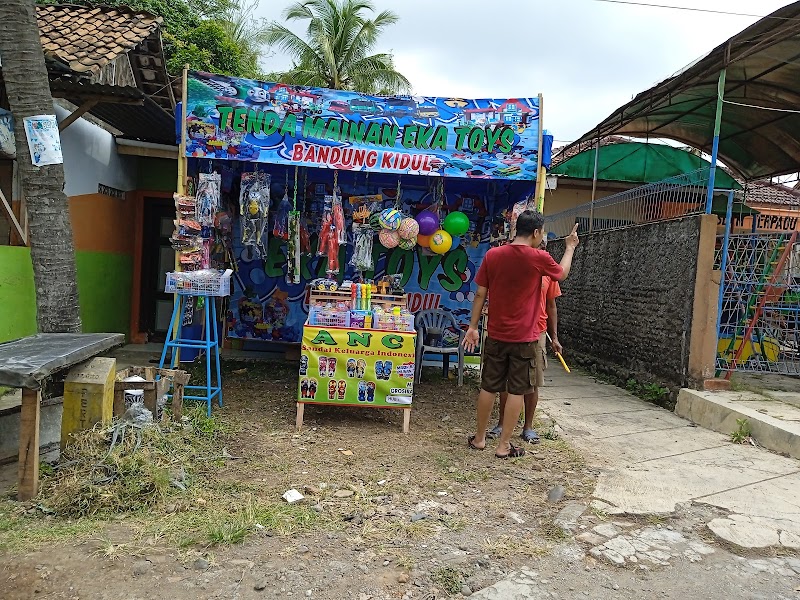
(587, 58)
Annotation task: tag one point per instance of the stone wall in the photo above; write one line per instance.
(627, 305)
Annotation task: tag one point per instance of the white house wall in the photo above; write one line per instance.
(90, 159)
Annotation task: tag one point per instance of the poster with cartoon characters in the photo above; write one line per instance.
(247, 120)
(265, 307)
(357, 367)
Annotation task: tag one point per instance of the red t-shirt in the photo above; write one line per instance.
(513, 275)
(550, 291)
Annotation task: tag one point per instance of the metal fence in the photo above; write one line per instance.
(759, 320)
(674, 197)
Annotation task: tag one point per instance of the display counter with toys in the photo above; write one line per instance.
(358, 347)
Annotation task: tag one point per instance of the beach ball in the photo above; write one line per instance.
(454, 242)
(441, 241)
(390, 219)
(407, 244)
(424, 240)
(456, 223)
(428, 222)
(408, 229)
(389, 239)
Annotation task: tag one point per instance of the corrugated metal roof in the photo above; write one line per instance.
(762, 70)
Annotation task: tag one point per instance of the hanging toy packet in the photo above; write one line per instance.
(254, 209)
(208, 192)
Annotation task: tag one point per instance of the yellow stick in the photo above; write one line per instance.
(558, 354)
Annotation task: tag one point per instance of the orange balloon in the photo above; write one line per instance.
(424, 240)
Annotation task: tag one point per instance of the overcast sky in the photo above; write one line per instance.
(586, 57)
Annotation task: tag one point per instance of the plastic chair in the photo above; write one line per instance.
(431, 326)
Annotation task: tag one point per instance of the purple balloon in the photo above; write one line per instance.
(428, 222)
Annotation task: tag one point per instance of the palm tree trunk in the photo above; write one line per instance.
(52, 248)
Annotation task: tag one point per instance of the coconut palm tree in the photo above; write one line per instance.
(52, 250)
(246, 31)
(336, 50)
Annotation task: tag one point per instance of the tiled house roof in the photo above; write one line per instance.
(766, 192)
(87, 38)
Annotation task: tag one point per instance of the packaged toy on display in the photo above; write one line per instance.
(254, 209)
(208, 192)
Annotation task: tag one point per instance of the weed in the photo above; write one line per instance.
(20, 532)
(655, 520)
(405, 561)
(599, 513)
(743, 432)
(553, 531)
(506, 546)
(449, 579)
(651, 392)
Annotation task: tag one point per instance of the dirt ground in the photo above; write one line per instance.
(386, 516)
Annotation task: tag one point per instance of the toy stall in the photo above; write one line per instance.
(342, 216)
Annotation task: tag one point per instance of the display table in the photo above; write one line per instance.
(369, 368)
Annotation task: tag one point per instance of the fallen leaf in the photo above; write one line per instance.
(347, 452)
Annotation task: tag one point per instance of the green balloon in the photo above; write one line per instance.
(456, 223)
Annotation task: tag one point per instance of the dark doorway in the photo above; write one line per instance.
(158, 258)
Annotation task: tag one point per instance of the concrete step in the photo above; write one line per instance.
(774, 424)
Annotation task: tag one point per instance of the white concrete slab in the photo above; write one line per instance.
(658, 485)
(640, 447)
(605, 425)
(777, 497)
(557, 405)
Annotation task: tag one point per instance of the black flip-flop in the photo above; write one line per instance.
(473, 446)
(515, 452)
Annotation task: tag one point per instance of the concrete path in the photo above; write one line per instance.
(651, 460)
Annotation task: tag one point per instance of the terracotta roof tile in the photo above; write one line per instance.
(89, 38)
(766, 192)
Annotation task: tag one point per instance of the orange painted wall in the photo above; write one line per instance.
(101, 223)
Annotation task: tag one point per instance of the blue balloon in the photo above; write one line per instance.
(456, 241)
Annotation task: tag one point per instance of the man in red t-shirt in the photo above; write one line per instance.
(512, 275)
(548, 321)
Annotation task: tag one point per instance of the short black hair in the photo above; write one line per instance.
(529, 221)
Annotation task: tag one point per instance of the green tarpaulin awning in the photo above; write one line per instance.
(719, 207)
(637, 162)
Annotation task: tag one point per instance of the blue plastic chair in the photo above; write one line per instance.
(431, 326)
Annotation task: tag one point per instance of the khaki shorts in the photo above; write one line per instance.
(515, 367)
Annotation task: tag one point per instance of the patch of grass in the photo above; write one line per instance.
(405, 561)
(552, 531)
(651, 392)
(506, 546)
(573, 458)
(20, 532)
(743, 433)
(599, 513)
(655, 520)
(449, 579)
(144, 469)
(402, 530)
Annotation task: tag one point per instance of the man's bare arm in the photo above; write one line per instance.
(571, 242)
(472, 339)
(552, 324)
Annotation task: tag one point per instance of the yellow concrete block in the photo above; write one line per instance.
(88, 396)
